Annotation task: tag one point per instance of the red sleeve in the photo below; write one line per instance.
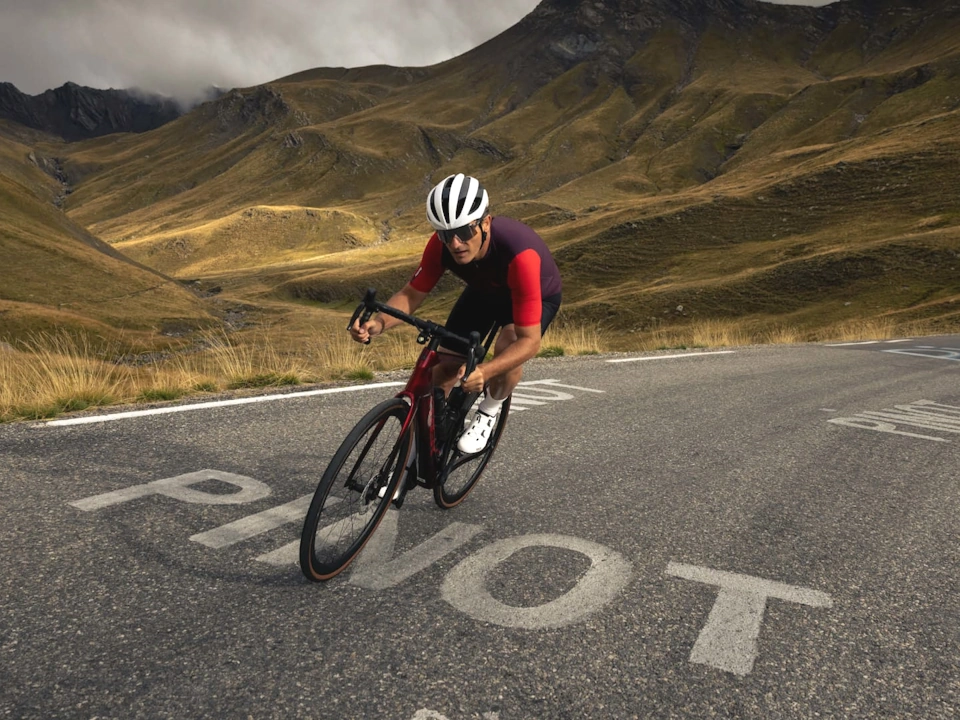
(523, 278)
(431, 266)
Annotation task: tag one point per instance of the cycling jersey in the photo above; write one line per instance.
(517, 260)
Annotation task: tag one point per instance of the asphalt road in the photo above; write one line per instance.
(767, 532)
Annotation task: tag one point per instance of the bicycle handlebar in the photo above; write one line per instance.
(370, 305)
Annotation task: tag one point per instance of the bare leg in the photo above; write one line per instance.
(445, 374)
(500, 387)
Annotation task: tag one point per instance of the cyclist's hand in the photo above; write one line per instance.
(363, 333)
(475, 382)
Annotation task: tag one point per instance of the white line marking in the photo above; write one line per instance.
(928, 352)
(891, 342)
(216, 404)
(728, 640)
(376, 568)
(557, 383)
(179, 488)
(868, 342)
(465, 587)
(671, 357)
(252, 525)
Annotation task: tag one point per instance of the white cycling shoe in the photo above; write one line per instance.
(478, 434)
(403, 481)
(383, 490)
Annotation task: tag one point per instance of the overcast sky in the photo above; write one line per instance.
(177, 47)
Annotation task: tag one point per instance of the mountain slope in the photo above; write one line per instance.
(57, 275)
(734, 158)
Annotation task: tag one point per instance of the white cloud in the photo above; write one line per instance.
(179, 47)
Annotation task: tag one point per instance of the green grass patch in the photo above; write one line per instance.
(205, 386)
(551, 351)
(84, 401)
(160, 394)
(360, 374)
(265, 380)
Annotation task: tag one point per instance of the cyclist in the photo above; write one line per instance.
(511, 279)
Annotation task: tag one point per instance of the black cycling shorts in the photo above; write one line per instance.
(477, 310)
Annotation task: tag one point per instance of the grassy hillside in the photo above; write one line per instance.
(57, 275)
(779, 165)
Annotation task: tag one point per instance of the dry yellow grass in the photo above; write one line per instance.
(566, 337)
(56, 373)
(709, 333)
(49, 374)
(778, 192)
(253, 238)
(872, 329)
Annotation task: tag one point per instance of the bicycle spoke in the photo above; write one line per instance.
(355, 491)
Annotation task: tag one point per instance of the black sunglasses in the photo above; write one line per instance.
(465, 233)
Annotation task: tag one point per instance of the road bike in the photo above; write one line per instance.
(406, 441)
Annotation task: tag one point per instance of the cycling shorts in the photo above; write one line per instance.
(479, 311)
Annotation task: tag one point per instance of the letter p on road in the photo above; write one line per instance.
(182, 488)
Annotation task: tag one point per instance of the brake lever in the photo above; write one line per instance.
(474, 356)
(364, 310)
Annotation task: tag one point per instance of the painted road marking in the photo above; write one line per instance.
(870, 342)
(943, 353)
(263, 398)
(728, 641)
(671, 357)
(209, 405)
(179, 488)
(426, 714)
(376, 568)
(465, 587)
(923, 414)
(253, 525)
(542, 392)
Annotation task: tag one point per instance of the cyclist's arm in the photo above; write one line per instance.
(422, 282)
(407, 300)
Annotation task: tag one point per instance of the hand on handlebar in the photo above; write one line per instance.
(474, 382)
(370, 329)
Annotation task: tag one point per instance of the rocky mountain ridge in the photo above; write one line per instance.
(74, 112)
(781, 165)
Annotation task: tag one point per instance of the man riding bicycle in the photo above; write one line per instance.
(512, 280)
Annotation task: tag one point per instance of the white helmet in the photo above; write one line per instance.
(455, 202)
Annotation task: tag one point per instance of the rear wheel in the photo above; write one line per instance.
(355, 491)
(461, 472)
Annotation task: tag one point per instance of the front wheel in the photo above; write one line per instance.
(355, 491)
(460, 472)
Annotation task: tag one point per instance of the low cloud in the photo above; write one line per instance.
(181, 47)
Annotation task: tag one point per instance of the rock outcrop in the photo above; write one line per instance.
(77, 113)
